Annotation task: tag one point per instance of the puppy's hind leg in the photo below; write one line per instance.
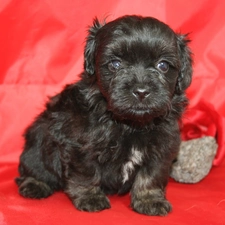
(29, 187)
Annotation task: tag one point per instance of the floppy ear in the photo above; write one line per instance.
(185, 74)
(89, 51)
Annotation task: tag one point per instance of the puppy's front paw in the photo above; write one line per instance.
(152, 207)
(29, 187)
(92, 203)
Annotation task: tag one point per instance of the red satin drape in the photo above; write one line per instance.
(203, 120)
(41, 50)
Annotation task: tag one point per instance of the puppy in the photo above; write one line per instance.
(117, 129)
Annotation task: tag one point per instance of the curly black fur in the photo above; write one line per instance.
(116, 130)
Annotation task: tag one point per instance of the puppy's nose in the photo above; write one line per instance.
(141, 93)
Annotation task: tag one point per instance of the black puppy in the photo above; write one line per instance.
(117, 129)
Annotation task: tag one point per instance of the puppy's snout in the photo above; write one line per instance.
(141, 93)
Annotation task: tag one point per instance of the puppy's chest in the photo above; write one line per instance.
(122, 160)
(129, 166)
(121, 151)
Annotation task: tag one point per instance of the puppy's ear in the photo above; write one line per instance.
(185, 74)
(89, 51)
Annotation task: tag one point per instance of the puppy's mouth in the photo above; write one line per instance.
(135, 114)
(140, 111)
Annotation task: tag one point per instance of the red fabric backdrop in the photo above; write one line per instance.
(41, 49)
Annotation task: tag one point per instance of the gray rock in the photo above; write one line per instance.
(194, 160)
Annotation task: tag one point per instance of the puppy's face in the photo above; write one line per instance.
(140, 64)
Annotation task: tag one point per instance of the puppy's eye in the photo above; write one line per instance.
(114, 65)
(163, 66)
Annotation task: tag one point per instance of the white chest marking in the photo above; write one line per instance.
(134, 159)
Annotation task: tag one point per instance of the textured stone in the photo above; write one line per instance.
(194, 160)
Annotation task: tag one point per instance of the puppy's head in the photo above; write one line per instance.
(140, 65)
